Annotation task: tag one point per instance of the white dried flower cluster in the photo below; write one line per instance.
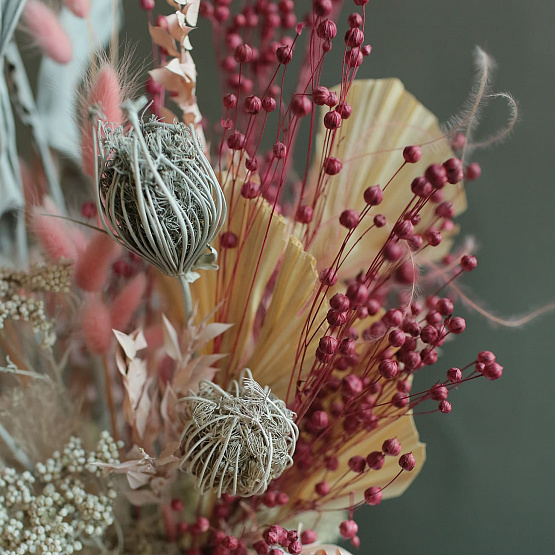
(14, 305)
(27, 309)
(158, 195)
(236, 441)
(52, 510)
(52, 278)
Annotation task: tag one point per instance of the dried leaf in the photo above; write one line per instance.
(168, 415)
(142, 410)
(191, 12)
(171, 341)
(131, 343)
(142, 497)
(163, 38)
(183, 376)
(135, 380)
(209, 332)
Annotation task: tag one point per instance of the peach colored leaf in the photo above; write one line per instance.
(190, 11)
(142, 497)
(179, 30)
(120, 363)
(131, 343)
(167, 455)
(163, 38)
(199, 375)
(137, 480)
(167, 413)
(171, 341)
(143, 410)
(135, 380)
(183, 375)
(169, 79)
(184, 68)
(167, 115)
(209, 332)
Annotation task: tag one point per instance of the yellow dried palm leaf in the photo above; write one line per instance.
(405, 431)
(385, 119)
(274, 358)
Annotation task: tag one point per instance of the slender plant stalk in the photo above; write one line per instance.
(17, 452)
(110, 405)
(187, 299)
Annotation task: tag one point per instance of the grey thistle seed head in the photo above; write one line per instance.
(236, 441)
(158, 196)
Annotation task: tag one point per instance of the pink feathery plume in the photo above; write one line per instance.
(80, 8)
(95, 323)
(127, 302)
(91, 269)
(52, 232)
(105, 91)
(43, 25)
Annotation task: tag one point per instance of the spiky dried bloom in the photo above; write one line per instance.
(158, 195)
(236, 441)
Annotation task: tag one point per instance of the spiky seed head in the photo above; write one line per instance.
(157, 193)
(236, 441)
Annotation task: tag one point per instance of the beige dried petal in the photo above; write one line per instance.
(209, 332)
(171, 340)
(163, 38)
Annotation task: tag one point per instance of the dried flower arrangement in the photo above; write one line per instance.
(259, 399)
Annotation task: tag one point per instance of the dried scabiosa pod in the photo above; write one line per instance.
(157, 193)
(236, 441)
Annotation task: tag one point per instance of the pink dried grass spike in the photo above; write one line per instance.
(52, 232)
(104, 90)
(95, 323)
(80, 8)
(43, 25)
(127, 302)
(91, 270)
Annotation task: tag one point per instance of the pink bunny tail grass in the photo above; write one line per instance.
(95, 323)
(43, 25)
(93, 264)
(52, 232)
(80, 8)
(105, 90)
(126, 303)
